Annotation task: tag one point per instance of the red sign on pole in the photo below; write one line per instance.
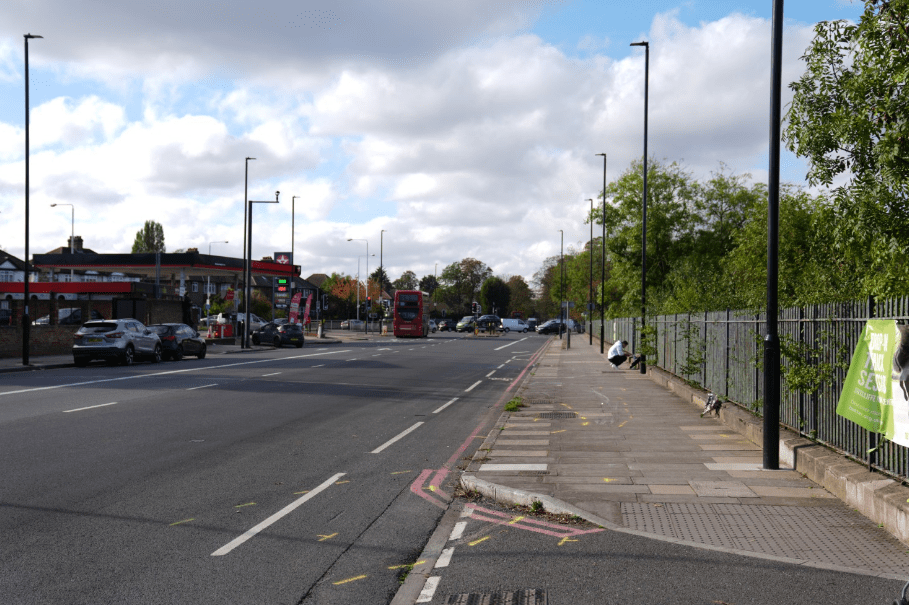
(295, 307)
(229, 295)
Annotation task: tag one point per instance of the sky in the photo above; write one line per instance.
(460, 129)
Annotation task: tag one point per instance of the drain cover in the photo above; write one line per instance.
(518, 597)
(532, 473)
(537, 401)
(554, 415)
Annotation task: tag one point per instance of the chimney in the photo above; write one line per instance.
(78, 243)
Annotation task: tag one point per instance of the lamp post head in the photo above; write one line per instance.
(277, 193)
(647, 44)
(248, 159)
(31, 36)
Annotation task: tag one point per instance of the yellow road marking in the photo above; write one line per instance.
(583, 417)
(475, 542)
(323, 538)
(623, 424)
(355, 578)
(554, 432)
(305, 491)
(410, 565)
(564, 540)
(608, 479)
(183, 521)
(247, 504)
(584, 423)
(340, 482)
(432, 488)
(567, 406)
(515, 520)
(401, 472)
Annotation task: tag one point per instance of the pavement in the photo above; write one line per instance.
(620, 450)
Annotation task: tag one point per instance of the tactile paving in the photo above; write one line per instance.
(834, 535)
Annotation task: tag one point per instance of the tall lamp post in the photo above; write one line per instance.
(72, 236)
(603, 266)
(246, 260)
(353, 239)
(292, 261)
(562, 286)
(208, 289)
(381, 264)
(646, 46)
(590, 295)
(26, 320)
(771, 339)
(248, 277)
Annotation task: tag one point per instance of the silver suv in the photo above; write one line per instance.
(115, 340)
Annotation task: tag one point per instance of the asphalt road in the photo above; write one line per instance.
(309, 475)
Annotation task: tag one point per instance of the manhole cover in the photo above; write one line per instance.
(554, 415)
(532, 473)
(518, 597)
(540, 401)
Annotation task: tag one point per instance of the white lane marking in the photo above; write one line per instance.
(204, 386)
(445, 406)
(510, 343)
(400, 436)
(501, 366)
(491, 373)
(273, 374)
(458, 530)
(101, 405)
(429, 589)
(472, 387)
(354, 359)
(385, 349)
(284, 511)
(445, 558)
(467, 512)
(377, 355)
(321, 365)
(207, 368)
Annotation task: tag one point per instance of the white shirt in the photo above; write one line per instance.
(615, 349)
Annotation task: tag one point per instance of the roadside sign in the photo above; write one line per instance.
(229, 295)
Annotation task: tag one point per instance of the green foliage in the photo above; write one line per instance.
(807, 366)
(407, 281)
(460, 283)
(150, 238)
(515, 404)
(495, 296)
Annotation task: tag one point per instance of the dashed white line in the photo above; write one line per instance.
(501, 366)
(101, 405)
(445, 406)
(445, 558)
(275, 517)
(510, 343)
(458, 530)
(272, 374)
(491, 373)
(377, 355)
(472, 387)
(204, 386)
(400, 436)
(321, 365)
(429, 589)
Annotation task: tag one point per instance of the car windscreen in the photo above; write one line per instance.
(98, 327)
(408, 300)
(468, 318)
(159, 329)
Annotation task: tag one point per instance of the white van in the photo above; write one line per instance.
(517, 325)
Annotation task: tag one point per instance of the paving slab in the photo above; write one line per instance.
(640, 458)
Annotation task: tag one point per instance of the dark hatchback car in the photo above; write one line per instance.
(550, 327)
(179, 340)
(277, 335)
(446, 325)
(490, 321)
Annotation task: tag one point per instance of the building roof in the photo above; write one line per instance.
(317, 279)
(18, 263)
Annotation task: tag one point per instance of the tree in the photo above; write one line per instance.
(520, 295)
(495, 296)
(407, 281)
(150, 238)
(429, 284)
(460, 283)
(380, 276)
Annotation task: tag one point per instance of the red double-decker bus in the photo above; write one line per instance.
(411, 316)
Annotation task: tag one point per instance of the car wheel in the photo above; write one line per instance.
(300, 345)
(255, 339)
(80, 362)
(129, 356)
(156, 356)
(202, 352)
(178, 354)
(507, 330)
(277, 342)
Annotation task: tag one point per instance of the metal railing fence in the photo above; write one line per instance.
(722, 351)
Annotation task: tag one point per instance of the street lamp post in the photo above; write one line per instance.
(248, 277)
(381, 264)
(646, 46)
(603, 266)
(246, 260)
(72, 236)
(208, 289)
(366, 323)
(292, 261)
(771, 339)
(26, 320)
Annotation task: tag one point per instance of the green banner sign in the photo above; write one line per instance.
(876, 391)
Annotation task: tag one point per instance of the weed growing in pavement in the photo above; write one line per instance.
(515, 404)
(536, 506)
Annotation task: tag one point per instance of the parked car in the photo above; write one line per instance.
(178, 340)
(123, 340)
(255, 322)
(517, 325)
(446, 325)
(467, 323)
(532, 323)
(277, 335)
(71, 316)
(352, 324)
(550, 327)
(432, 326)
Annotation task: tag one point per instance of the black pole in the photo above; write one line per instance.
(562, 286)
(290, 292)
(590, 295)
(603, 267)
(646, 46)
(246, 261)
(26, 320)
(247, 291)
(771, 340)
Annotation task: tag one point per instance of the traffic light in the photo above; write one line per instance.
(369, 302)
